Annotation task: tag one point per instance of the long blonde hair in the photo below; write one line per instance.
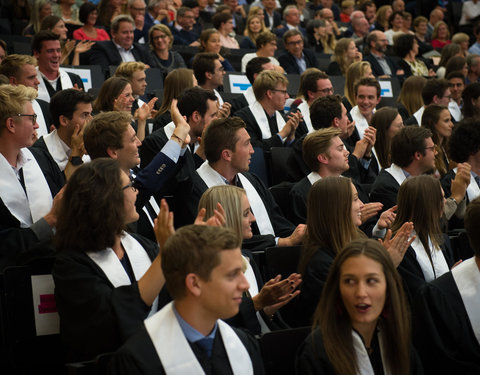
(355, 72)
(250, 34)
(340, 54)
(411, 93)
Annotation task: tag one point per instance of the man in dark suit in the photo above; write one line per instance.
(272, 18)
(296, 59)
(291, 16)
(137, 10)
(382, 65)
(239, 15)
(203, 272)
(182, 30)
(121, 48)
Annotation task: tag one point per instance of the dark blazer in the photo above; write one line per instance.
(277, 19)
(376, 67)
(183, 37)
(288, 62)
(385, 190)
(105, 54)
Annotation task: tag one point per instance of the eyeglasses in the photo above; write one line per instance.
(163, 36)
(431, 148)
(326, 91)
(284, 92)
(32, 117)
(295, 42)
(130, 185)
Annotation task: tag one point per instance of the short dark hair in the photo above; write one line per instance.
(40, 37)
(195, 99)
(324, 109)
(94, 189)
(308, 81)
(392, 17)
(255, 66)
(472, 218)
(49, 22)
(64, 103)
(471, 92)
(220, 18)
(403, 44)
(203, 62)
(465, 139)
(221, 134)
(194, 249)
(265, 37)
(290, 33)
(407, 142)
(85, 11)
(434, 86)
(456, 74)
(370, 82)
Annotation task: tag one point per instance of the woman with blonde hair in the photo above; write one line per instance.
(463, 40)
(440, 35)
(258, 309)
(175, 83)
(355, 72)
(160, 41)
(410, 98)
(39, 10)
(362, 323)
(253, 28)
(345, 54)
(382, 16)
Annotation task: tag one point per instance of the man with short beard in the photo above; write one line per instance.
(382, 66)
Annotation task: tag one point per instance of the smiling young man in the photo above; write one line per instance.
(296, 59)
(202, 266)
(121, 48)
(48, 52)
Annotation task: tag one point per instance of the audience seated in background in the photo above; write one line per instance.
(344, 55)
(210, 43)
(291, 21)
(182, 30)
(296, 59)
(223, 23)
(161, 40)
(134, 71)
(266, 47)
(209, 72)
(88, 16)
(137, 10)
(382, 65)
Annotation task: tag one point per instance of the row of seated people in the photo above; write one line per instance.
(228, 154)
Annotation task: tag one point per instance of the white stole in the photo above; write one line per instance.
(42, 88)
(418, 115)
(305, 110)
(313, 177)
(262, 120)
(153, 203)
(170, 128)
(360, 121)
(438, 259)
(43, 128)
(37, 202)
(455, 110)
(249, 95)
(397, 173)
(177, 356)
(108, 261)
(57, 148)
(363, 361)
(467, 277)
(212, 178)
(473, 191)
(219, 98)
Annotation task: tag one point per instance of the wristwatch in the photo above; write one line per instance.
(76, 160)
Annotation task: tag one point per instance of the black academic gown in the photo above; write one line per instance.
(442, 331)
(189, 193)
(312, 358)
(446, 181)
(96, 317)
(138, 356)
(385, 190)
(255, 132)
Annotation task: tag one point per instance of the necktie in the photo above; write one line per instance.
(206, 344)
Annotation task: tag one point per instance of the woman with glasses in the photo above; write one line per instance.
(161, 41)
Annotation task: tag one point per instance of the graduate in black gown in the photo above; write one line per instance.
(446, 312)
(260, 303)
(203, 271)
(106, 280)
(361, 324)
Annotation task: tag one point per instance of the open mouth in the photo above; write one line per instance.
(362, 308)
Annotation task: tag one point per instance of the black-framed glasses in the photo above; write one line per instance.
(130, 185)
(32, 117)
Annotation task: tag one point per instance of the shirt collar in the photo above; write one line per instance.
(191, 334)
(121, 48)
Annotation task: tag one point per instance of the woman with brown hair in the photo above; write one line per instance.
(161, 40)
(362, 323)
(334, 214)
(388, 122)
(438, 119)
(410, 98)
(253, 28)
(345, 54)
(175, 83)
(210, 42)
(421, 201)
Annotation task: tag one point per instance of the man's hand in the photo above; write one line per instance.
(460, 182)
(288, 131)
(224, 110)
(182, 129)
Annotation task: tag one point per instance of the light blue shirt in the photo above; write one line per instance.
(191, 334)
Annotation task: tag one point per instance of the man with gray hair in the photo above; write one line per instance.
(291, 17)
(121, 48)
(137, 9)
(295, 59)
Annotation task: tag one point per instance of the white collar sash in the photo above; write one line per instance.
(29, 207)
(57, 148)
(108, 261)
(305, 110)
(360, 121)
(177, 356)
(212, 178)
(262, 120)
(313, 177)
(249, 95)
(217, 94)
(363, 360)
(418, 115)
(438, 259)
(42, 88)
(43, 128)
(467, 277)
(473, 191)
(397, 173)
